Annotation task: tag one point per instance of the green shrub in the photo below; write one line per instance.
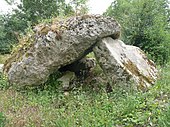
(144, 24)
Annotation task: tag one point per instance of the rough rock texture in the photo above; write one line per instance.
(66, 79)
(122, 62)
(1, 68)
(76, 72)
(81, 67)
(56, 45)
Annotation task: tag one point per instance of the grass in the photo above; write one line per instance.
(2, 120)
(49, 106)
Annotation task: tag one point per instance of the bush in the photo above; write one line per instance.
(144, 24)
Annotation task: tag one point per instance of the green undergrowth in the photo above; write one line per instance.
(85, 106)
(2, 120)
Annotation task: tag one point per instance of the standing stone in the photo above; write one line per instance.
(122, 62)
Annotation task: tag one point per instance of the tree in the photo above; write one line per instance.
(144, 24)
(29, 12)
(11, 26)
(4, 46)
(80, 6)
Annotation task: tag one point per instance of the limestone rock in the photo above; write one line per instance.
(66, 79)
(56, 45)
(1, 68)
(122, 62)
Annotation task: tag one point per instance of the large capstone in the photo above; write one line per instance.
(123, 63)
(56, 45)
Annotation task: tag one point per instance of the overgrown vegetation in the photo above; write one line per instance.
(2, 120)
(145, 23)
(31, 12)
(85, 106)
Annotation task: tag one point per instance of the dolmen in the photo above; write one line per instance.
(59, 43)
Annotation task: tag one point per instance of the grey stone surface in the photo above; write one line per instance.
(122, 63)
(66, 79)
(56, 45)
(1, 68)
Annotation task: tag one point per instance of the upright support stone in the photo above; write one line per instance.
(122, 62)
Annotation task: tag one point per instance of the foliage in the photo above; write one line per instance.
(12, 26)
(144, 24)
(28, 14)
(48, 105)
(2, 120)
(164, 119)
(80, 6)
(37, 9)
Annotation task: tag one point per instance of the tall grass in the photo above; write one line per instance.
(49, 106)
